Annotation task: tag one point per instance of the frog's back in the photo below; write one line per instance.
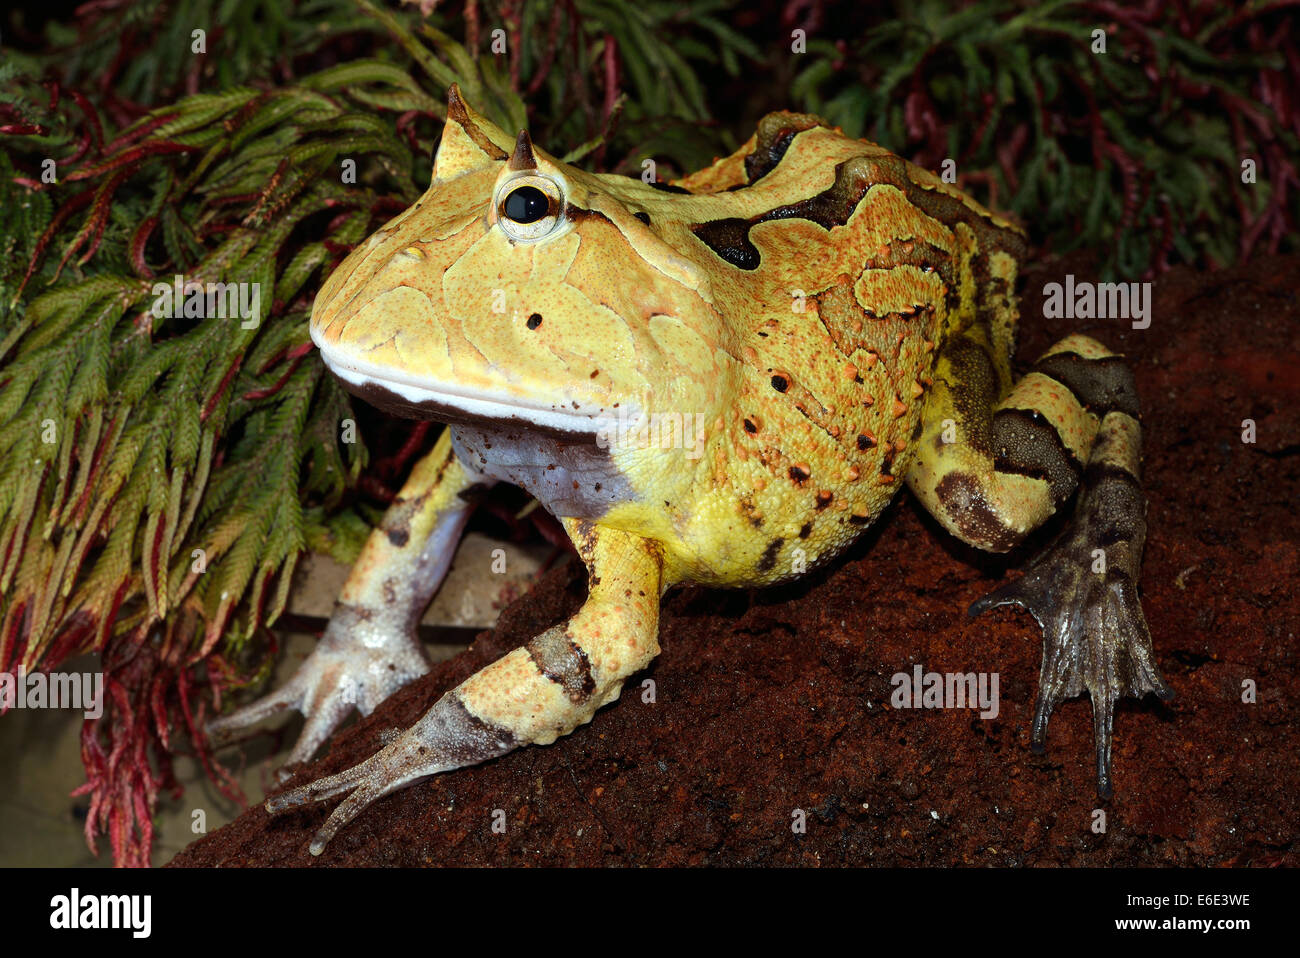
(842, 268)
(878, 211)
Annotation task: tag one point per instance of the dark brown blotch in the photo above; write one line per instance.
(1027, 444)
(963, 499)
(729, 238)
(1101, 385)
(768, 559)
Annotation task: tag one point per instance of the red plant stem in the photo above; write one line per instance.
(471, 26)
(372, 487)
(98, 217)
(611, 77)
(277, 385)
(92, 118)
(221, 389)
(143, 130)
(288, 352)
(66, 209)
(548, 52)
(140, 239)
(395, 464)
(153, 148)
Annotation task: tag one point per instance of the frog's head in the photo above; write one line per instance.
(520, 288)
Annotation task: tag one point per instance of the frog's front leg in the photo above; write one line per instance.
(531, 696)
(993, 471)
(370, 648)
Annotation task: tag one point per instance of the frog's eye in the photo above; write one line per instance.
(529, 207)
(527, 204)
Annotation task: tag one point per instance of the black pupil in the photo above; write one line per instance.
(527, 204)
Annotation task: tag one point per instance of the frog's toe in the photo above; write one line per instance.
(448, 736)
(343, 672)
(228, 727)
(367, 781)
(1082, 590)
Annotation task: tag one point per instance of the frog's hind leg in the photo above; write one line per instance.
(533, 695)
(991, 471)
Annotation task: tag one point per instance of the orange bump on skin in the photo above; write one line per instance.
(917, 389)
(899, 407)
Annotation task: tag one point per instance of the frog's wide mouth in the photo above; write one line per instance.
(447, 402)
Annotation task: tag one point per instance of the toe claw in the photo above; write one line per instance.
(1010, 593)
(1038, 730)
(319, 790)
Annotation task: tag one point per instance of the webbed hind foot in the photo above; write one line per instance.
(1082, 590)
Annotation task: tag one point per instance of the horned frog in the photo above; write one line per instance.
(721, 381)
